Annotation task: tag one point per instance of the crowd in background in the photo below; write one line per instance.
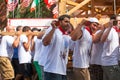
(31, 54)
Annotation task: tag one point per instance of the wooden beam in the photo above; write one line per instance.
(92, 8)
(62, 7)
(78, 6)
(72, 3)
(83, 16)
(118, 10)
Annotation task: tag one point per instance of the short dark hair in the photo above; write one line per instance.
(18, 28)
(63, 16)
(113, 17)
(26, 28)
(34, 29)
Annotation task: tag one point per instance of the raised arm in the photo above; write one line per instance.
(97, 36)
(77, 33)
(28, 43)
(107, 31)
(47, 39)
(17, 40)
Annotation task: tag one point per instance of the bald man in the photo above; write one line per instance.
(6, 50)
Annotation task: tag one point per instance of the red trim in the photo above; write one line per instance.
(87, 28)
(63, 31)
(116, 28)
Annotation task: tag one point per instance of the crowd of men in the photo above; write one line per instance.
(28, 51)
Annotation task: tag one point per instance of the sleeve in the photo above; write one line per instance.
(47, 31)
(109, 38)
(23, 38)
(10, 40)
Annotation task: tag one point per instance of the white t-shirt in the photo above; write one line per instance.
(33, 52)
(110, 49)
(55, 62)
(6, 48)
(44, 50)
(81, 50)
(23, 55)
(119, 53)
(96, 53)
(43, 55)
(38, 46)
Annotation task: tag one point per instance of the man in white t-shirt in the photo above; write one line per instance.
(57, 44)
(24, 54)
(36, 48)
(6, 51)
(96, 53)
(111, 70)
(118, 30)
(82, 43)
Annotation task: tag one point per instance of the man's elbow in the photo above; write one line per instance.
(102, 40)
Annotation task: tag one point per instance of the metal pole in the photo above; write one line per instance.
(35, 14)
(115, 7)
(39, 3)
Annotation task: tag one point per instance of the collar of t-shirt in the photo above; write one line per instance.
(116, 28)
(88, 29)
(63, 31)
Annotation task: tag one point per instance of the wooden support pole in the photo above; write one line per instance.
(72, 3)
(78, 6)
(62, 7)
(92, 8)
(16, 33)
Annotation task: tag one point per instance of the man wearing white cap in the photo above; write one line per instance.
(96, 52)
(92, 25)
(81, 54)
(82, 47)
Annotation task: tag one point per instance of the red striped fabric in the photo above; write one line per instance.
(25, 3)
(11, 5)
(49, 3)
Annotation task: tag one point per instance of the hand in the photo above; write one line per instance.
(18, 33)
(101, 27)
(109, 24)
(83, 21)
(55, 24)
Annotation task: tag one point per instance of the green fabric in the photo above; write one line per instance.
(38, 69)
(36, 2)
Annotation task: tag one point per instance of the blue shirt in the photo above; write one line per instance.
(15, 54)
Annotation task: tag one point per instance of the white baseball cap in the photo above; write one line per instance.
(93, 19)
